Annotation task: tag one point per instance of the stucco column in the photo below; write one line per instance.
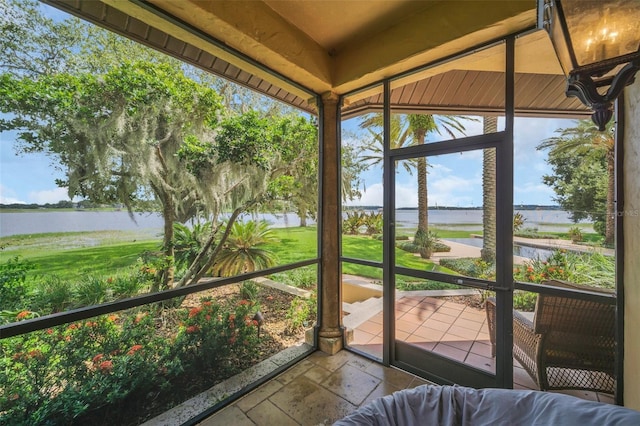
(631, 212)
(330, 333)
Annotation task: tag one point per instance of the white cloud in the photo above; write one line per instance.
(48, 196)
(406, 196)
(7, 196)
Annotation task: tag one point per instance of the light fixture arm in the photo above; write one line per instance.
(584, 87)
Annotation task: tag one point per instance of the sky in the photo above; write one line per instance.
(454, 180)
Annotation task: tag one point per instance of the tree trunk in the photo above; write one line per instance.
(488, 252)
(423, 201)
(302, 214)
(609, 230)
(168, 243)
(211, 260)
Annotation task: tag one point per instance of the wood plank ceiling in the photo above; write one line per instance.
(451, 91)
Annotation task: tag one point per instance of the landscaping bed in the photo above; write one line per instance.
(163, 356)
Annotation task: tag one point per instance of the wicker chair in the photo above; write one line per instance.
(569, 345)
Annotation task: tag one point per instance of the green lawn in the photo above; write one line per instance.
(70, 255)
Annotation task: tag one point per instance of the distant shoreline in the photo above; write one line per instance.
(515, 207)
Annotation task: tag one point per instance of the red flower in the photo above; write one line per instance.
(207, 303)
(106, 366)
(23, 315)
(36, 354)
(134, 349)
(269, 297)
(96, 359)
(193, 329)
(243, 302)
(232, 317)
(194, 311)
(139, 317)
(112, 317)
(49, 331)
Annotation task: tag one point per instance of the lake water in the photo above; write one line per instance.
(69, 221)
(82, 221)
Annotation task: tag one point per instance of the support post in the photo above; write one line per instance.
(330, 334)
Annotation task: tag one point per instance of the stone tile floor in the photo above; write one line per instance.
(322, 389)
(316, 391)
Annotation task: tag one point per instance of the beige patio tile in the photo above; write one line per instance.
(465, 333)
(481, 362)
(370, 327)
(437, 325)
(448, 311)
(450, 352)
(406, 326)
(428, 334)
(465, 323)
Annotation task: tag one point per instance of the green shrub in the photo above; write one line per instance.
(524, 300)
(470, 267)
(408, 246)
(306, 277)
(249, 290)
(52, 295)
(440, 247)
(534, 234)
(57, 375)
(63, 375)
(13, 286)
(575, 234)
(210, 337)
(301, 313)
(91, 290)
(128, 285)
(423, 285)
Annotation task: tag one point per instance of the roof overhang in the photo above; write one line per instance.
(294, 50)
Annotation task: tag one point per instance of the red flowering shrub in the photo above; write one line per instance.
(210, 337)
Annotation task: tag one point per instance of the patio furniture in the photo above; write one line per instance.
(458, 405)
(570, 344)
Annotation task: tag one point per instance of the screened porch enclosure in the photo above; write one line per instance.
(391, 316)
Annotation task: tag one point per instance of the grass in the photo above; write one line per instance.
(71, 254)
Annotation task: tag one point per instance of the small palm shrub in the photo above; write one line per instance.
(575, 234)
(352, 222)
(244, 251)
(189, 241)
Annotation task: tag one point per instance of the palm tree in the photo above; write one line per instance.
(488, 252)
(400, 132)
(420, 125)
(411, 130)
(586, 139)
(244, 251)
